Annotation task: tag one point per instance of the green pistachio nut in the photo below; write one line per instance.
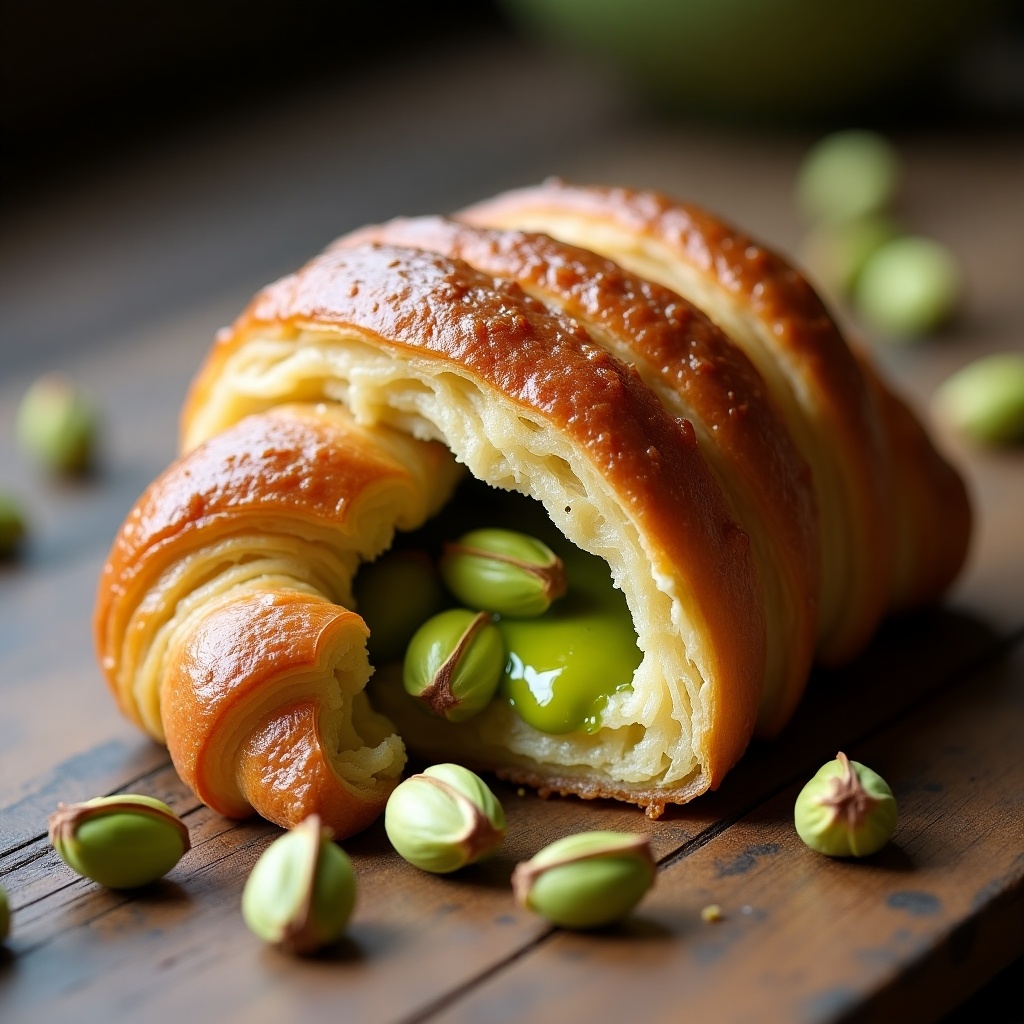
(909, 287)
(984, 400)
(846, 810)
(454, 663)
(586, 880)
(122, 841)
(56, 425)
(394, 595)
(835, 253)
(5, 915)
(444, 819)
(12, 526)
(503, 571)
(847, 174)
(301, 892)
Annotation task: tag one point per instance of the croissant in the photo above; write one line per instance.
(661, 392)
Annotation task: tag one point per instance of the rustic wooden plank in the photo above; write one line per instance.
(57, 707)
(902, 935)
(438, 935)
(993, 584)
(96, 772)
(70, 934)
(413, 935)
(181, 948)
(56, 581)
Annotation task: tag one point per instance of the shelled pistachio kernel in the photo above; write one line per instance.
(908, 287)
(847, 174)
(985, 399)
(454, 662)
(503, 571)
(394, 595)
(845, 810)
(301, 892)
(56, 424)
(121, 841)
(12, 526)
(444, 818)
(5, 915)
(586, 880)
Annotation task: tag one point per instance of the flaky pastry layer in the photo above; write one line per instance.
(671, 392)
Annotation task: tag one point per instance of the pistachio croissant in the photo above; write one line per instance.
(673, 396)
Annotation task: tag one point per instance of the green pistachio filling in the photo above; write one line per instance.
(564, 665)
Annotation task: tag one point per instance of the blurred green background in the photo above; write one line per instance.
(773, 61)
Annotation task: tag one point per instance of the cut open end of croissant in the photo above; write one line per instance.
(349, 404)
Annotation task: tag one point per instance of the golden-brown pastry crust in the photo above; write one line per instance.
(307, 470)
(415, 305)
(218, 595)
(239, 750)
(698, 373)
(674, 394)
(833, 412)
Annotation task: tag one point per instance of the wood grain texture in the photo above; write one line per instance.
(935, 703)
(418, 941)
(808, 938)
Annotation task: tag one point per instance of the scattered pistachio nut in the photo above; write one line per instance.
(984, 400)
(5, 915)
(711, 913)
(122, 841)
(847, 174)
(845, 810)
(394, 595)
(586, 880)
(12, 526)
(835, 253)
(301, 891)
(444, 818)
(908, 287)
(503, 571)
(454, 663)
(56, 424)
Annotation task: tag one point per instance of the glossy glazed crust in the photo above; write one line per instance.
(274, 465)
(758, 465)
(218, 595)
(417, 306)
(289, 466)
(843, 430)
(699, 373)
(233, 743)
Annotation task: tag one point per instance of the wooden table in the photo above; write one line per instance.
(121, 276)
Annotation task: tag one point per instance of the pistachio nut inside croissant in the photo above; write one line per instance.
(735, 492)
